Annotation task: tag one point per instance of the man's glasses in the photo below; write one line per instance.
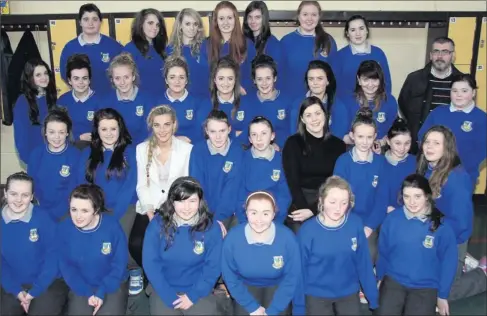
(444, 52)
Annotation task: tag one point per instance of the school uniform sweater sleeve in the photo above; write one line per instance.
(212, 268)
(448, 258)
(196, 164)
(291, 161)
(21, 128)
(283, 199)
(381, 58)
(365, 269)
(226, 206)
(340, 118)
(242, 192)
(428, 123)
(10, 283)
(49, 262)
(118, 263)
(383, 247)
(126, 192)
(32, 166)
(292, 273)
(63, 63)
(231, 276)
(381, 200)
(341, 169)
(153, 265)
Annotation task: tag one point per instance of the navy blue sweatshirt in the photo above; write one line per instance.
(93, 262)
(274, 263)
(54, 177)
(219, 176)
(336, 260)
(414, 256)
(29, 252)
(191, 265)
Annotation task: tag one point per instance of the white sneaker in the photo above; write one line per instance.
(470, 263)
(363, 300)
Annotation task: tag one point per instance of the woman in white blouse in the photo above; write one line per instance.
(161, 159)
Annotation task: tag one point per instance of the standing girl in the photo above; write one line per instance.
(126, 98)
(417, 255)
(308, 42)
(467, 122)
(53, 165)
(370, 92)
(182, 253)
(348, 59)
(333, 274)
(186, 39)
(227, 39)
(30, 275)
(262, 169)
(99, 48)
(308, 159)
(215, 163)
(256, 27)
(452, 190)
(260, 261)
(148, 49)
(39, 96)
(81, 102)
(93, 256)
(400, 163)
(364, 170)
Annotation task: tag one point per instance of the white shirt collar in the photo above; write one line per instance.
(232, 99)
(269, 157)
(271, 99)
(393, 161)
(467, 109)
(83, 100)
(26, 218)
(251, 240)
(131, 98)
(82, 42)
(356, 158)
(361, 51)
(181, 99)
(214, 152)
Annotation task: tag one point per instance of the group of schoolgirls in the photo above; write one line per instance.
(140, 174)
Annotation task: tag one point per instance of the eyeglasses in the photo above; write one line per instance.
(443, 52)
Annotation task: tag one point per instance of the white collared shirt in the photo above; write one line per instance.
(361, 51)
(232, 99)
(356, 158)
(181, 99)
(269, 157)
(131, 98)
(82, 42)
(268, 241)
(467, 109)
(83, 100)
(213, 150)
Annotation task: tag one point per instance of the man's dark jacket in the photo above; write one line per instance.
(6, 57)
(415, 100)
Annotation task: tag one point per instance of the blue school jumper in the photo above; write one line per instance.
(100, 55)
(150, 68)
(134, 111)
(469, 128)
(455, 201)
(82, 112)
(346, 63)
(29, 252)
(384, 117)
(267, 175)
(414, 256)
(369, 185)
(219, 176)
(191, 265)
(299, 50)
(199, 71)
(336, 260)
(273, 263)
(119, 191)
(396, 172)
(26, 135)
(93, 262)
(54, 175)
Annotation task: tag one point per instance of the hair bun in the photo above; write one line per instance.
(364, 112)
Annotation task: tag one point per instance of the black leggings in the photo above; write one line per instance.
(136, 240)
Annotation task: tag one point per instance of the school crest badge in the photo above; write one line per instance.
(281, 114)
(240, 115)
(105, 57)
(381, 117)
(199, 247)
(375, 181)
(64, 172)
(228, 166)
(106, 248)
(189, 115)
(428, 241)
(467, 126)
(354, 244)
(33, 236)
(90, 115)
(139, 110)
(276, 175)
(278, 262)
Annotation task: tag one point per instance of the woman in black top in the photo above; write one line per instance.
(308, 159)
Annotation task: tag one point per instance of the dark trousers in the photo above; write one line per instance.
(396, 299)
(348, 305)
(81, 144)
(311, 197)
(51, 302)
(230, 222)
(113, 303)
(136, 240)
(373, 247)
(127, 222)
(204, 306)
(263, 296)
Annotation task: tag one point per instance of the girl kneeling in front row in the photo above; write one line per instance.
(417, 255)
(335, 255)
(181, 253)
